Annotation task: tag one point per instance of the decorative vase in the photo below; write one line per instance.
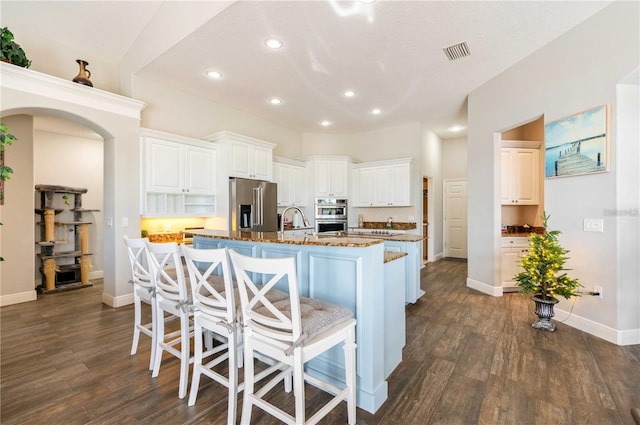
(84, 74)
(544, 311)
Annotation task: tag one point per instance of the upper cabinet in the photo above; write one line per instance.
(246, 157)
(331, 177)
(178, 175)
(520, 176)
(290, 177)
(382, 184)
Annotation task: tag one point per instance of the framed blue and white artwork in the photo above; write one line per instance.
(578, 144)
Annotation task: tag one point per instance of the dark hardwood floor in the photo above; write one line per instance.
(469, 359)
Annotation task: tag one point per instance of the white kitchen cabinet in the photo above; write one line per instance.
(513, 249)
(383, 184)
(521, 171)
(363, 180)
(289, 175)
(246, 157)
(400, 184)
(178, 175)
(331, 178)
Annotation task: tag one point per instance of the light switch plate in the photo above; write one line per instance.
(593, 225)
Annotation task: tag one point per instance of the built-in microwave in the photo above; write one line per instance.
(331, 209)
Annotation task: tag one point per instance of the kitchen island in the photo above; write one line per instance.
(350, 272)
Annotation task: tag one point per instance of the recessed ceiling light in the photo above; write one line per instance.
(325, 123)
(348, 93)
(376, 111)
(273, 43)
(214, 74)
(367, 1)
(275, 101)
(456, 128)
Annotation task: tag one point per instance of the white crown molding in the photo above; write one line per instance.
(33, 82)
(225, 136)
(157, 134)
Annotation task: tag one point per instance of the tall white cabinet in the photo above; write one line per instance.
(178, 176)
(289, 175)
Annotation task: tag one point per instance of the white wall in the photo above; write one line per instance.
(454, 158)
(69, 160)
(181, 113)
(573, 73)
(432, 167)
(17, 232)
(400, 141)
(625, 219)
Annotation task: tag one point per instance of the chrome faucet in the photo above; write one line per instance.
(304, 219)
(390, 223)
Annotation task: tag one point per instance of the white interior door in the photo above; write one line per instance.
(455, 218)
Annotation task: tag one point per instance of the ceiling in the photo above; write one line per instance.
(389, 52)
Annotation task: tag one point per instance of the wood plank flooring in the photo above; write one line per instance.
(469, 359)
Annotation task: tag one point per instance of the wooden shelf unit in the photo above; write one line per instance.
(57, 277)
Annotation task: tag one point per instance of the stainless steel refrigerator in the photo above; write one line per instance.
(253, 205)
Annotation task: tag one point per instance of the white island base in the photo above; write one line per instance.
(353, 274)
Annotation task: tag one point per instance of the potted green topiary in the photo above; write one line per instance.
(11, 51)
(544, 275)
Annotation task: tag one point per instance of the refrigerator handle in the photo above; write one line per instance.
(260, 206)
(257, 206)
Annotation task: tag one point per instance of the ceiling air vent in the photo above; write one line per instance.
(457, 51)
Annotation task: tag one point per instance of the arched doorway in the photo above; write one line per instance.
(117, 120)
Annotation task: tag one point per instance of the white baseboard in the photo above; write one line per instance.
(116, 302)
(438, 256)
(485, 288)
(614, 336)
(21, 297)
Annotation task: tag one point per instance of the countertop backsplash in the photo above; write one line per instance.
(383, 225)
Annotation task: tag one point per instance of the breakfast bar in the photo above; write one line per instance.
(356, 273)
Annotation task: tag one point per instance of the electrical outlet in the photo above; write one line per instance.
(598, 289)
(593, 225)
(167, 227)
(411, 218)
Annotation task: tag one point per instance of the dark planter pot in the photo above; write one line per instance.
(544, 311)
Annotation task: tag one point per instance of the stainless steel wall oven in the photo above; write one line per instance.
(331, 215)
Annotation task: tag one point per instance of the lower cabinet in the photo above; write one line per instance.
(512, 253)
(412, 269)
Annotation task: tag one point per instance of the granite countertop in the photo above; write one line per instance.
(405, 237)
(520, 231)
(390, 256)
(516, 234)
(274, 237)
